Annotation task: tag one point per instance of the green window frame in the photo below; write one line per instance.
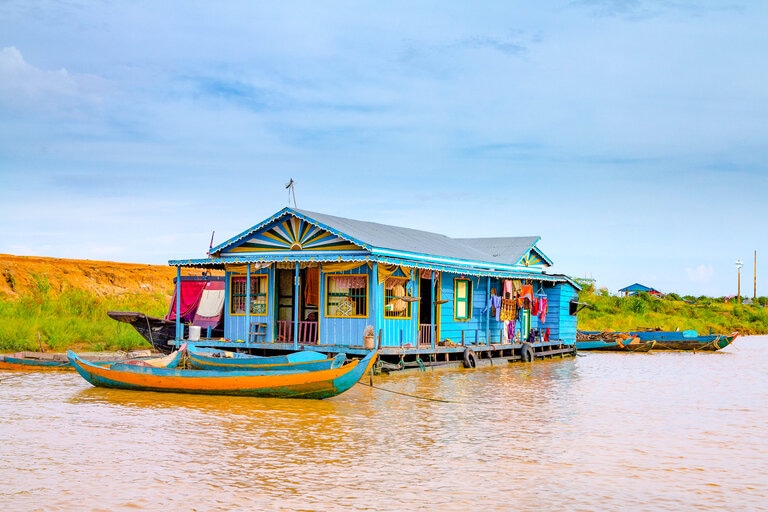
(259, 294)
(346, 296)
(462, 299)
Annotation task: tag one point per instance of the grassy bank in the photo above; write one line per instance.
(72, 318)
(669, 313)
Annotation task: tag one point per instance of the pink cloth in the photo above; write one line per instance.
(543, 309)
(191, 291)
(509, 289)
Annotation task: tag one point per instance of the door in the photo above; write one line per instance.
(428, 304)
(284, 303)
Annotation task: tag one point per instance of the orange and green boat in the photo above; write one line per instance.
(277, 384)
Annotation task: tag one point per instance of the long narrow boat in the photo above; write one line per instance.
(56, 361)
(304, 360)
(686, 340)
(663, 340)
(297, 384)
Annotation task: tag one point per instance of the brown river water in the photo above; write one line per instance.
(603, 431)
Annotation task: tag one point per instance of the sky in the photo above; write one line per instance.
(630, 135)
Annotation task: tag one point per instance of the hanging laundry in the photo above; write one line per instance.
(312, 286)
(526, 292)
(543, 306)
(494, 302)
(509, 289)
(508, 309)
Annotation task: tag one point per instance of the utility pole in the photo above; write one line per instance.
(754, 290)
(739, 264)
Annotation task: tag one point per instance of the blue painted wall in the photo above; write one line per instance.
(481, 327)
(562, 325)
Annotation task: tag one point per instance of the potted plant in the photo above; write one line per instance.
(368, 337)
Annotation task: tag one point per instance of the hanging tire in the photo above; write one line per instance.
(470, 360)
(526, 353)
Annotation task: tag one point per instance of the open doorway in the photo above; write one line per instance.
(287, 304)
(426, 304)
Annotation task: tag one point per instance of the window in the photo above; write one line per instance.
(394, 305)
(237, 294)
(346, 296)
(462, 299)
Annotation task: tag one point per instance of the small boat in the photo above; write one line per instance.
(295, 384)
(686, 340)
(304, 360)
(172, 360)
(58, 361)
(611, 341)
(662, 340)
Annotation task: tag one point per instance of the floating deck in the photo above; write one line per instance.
(409, 357)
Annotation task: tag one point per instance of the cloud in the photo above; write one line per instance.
(507, 47)
(23, 86)
(645, 9)
(701, 274)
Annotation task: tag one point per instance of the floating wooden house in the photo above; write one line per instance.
(302, 279)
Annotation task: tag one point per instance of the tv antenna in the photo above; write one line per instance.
(291, 187)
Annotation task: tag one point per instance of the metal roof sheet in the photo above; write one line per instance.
(507, 251)
(494, 257)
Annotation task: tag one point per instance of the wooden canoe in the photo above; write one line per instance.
(298, 384)
(686, 340)
(305, 360)
(29, 361)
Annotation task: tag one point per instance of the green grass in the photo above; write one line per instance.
(669, 313)
(72, 319)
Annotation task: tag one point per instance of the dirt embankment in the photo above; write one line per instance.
(21, 274)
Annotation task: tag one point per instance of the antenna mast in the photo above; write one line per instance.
(291, 186)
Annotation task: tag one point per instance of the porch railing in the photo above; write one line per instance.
(306, 333)
(425, 331)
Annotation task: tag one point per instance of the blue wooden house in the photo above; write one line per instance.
(637, 288)
(302, 279)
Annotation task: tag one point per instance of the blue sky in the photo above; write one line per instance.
(632, 136)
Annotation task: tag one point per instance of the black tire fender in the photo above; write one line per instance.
(526, 353)
(470, 359)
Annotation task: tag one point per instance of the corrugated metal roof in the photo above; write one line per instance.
(508, 251)
(493, 257)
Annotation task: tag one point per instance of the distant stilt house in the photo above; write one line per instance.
(302, 279)
(637, 288)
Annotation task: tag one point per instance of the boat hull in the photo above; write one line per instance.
(211, 359)
(662, 340)
(298, 384)
(157, 331)
(31, 361)
(674, 340)
(615, 346)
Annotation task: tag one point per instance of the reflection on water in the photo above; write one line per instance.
(661, 431)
